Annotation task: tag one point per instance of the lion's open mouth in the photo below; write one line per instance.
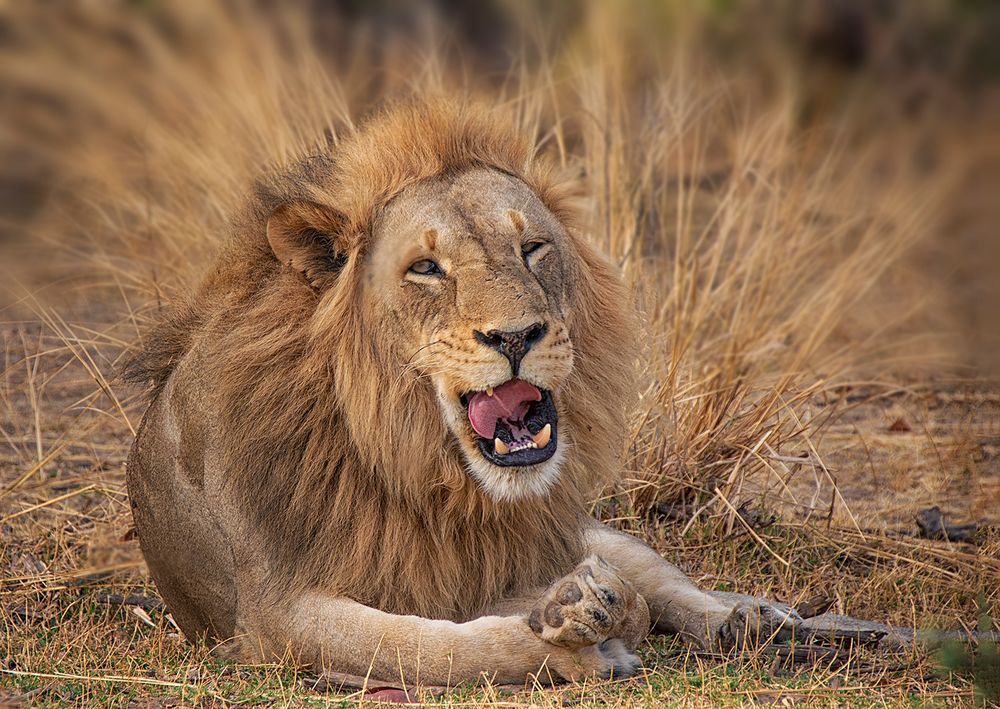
(515, 423)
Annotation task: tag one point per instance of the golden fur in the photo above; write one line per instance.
(372, 503)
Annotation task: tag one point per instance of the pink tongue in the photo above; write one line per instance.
(510, 401)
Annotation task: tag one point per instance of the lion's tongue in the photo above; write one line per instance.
(509, 402)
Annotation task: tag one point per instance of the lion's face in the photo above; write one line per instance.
(472, 270)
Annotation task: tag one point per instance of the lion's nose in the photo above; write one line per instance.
(513, 345)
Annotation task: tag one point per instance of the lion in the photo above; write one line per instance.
(376, 425)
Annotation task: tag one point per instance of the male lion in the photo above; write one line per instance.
(376, 425)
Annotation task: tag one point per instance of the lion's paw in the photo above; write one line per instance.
(750, 626)
(588, 606)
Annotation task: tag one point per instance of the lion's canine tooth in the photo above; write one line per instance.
(489, 391)
(543, 437)
(500, 447)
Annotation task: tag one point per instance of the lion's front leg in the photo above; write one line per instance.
(341, 635)
(678, 606)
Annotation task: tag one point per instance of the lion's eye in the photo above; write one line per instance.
(426, 267)
(531, 247)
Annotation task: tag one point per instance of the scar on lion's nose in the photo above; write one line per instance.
(513, 345)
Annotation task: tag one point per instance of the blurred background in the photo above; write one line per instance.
(914, 81)
(802, 196)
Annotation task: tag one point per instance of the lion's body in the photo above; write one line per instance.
(294, 455)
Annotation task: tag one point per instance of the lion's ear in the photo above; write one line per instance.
(305, 236)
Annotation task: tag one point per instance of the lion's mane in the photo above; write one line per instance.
(367, 501)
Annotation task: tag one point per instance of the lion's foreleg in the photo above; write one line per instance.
(341, 635)
(676, 604)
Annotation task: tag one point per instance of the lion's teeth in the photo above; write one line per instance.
(543, 437)
(500, 447)
(489, 391)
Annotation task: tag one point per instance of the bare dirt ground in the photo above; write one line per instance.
(895, 454)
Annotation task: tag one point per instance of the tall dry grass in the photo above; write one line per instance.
(757, 239)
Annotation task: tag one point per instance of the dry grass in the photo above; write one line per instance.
(778, 257)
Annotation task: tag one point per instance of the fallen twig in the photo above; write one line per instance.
(147, 603)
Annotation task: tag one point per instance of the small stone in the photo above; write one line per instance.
(900, 425)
